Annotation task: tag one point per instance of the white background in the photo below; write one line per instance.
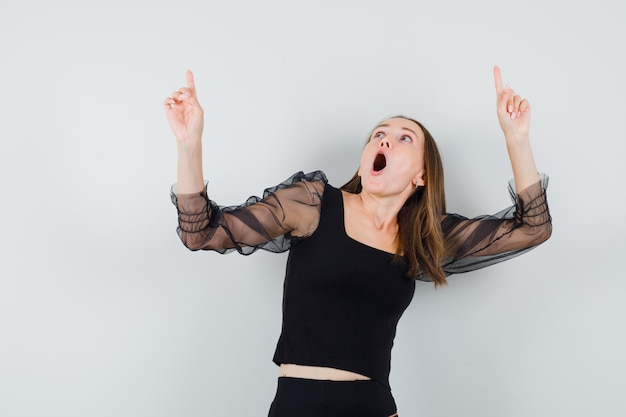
(103, 312)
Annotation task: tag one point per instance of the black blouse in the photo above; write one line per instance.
(342, 299)
(267, 223)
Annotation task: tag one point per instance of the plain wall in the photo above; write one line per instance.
(103, 312)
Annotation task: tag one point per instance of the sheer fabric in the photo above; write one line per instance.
(292, 210)
(485, 240)
(259, 223)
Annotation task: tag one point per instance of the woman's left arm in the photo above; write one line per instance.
(514, 118)
(482, 241)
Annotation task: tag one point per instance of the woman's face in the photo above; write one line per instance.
(392, 162)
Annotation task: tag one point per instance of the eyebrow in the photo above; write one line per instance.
(403, 128)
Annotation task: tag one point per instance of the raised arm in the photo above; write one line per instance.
(269, 222)
(482, 241)
(186, 119)
(514, 118)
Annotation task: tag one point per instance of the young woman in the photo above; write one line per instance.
(356, 252)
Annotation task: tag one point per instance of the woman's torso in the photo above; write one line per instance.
(354, 235)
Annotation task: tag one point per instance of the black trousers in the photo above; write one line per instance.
(299, 397)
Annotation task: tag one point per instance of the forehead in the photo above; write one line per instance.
(402, 123)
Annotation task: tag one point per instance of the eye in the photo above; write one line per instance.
(378, 135)
(406, 139)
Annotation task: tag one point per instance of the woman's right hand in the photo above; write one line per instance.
(184, 114)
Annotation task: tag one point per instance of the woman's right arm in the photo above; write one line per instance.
(291, 208)
(186, 119)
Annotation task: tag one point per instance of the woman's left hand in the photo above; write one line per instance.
(513, 111)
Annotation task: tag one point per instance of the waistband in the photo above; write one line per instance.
(363, 393)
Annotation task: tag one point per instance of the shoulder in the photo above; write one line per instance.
(315, 179)
(299, 190)
(300, 197)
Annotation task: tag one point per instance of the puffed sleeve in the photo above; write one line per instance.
(482, 241)
(260, 223)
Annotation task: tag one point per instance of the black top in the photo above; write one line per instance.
(342, 299)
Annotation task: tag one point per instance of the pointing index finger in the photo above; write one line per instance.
(498, 79)
(190, 81)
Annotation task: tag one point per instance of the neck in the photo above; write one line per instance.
(382, 211)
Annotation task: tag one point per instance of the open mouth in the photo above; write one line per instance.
(380, 162)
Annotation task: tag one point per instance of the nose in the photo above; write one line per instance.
(384, 143)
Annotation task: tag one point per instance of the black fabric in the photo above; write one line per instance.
(475, 243)
(342, 299)
(268, 223)
(259, 223)
(296, 397)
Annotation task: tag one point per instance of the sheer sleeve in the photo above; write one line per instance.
(482, 241)
(260, 223)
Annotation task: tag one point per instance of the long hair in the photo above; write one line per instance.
(420, 240)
